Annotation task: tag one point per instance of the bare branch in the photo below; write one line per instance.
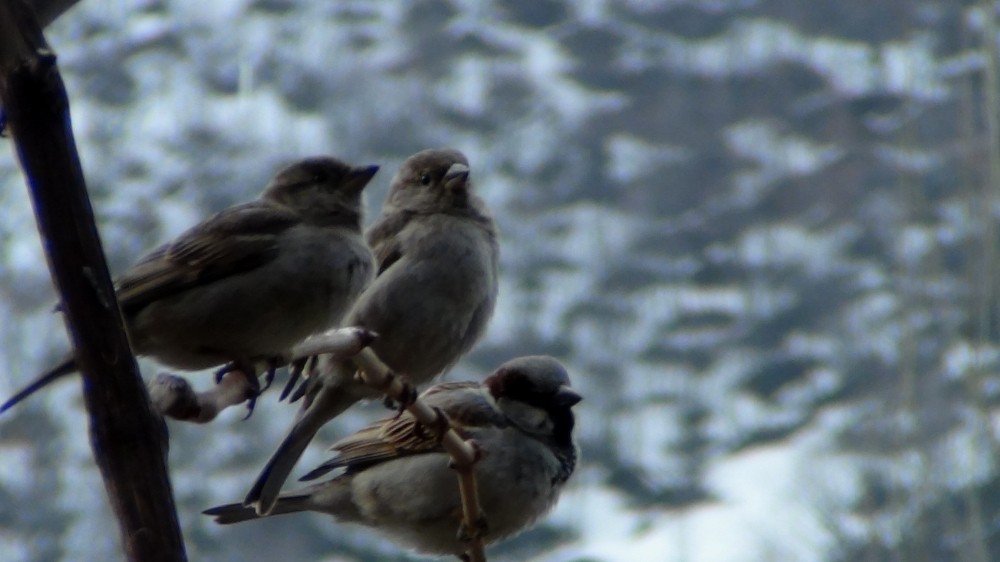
(128, 439)
(339, 342)
(173, 397)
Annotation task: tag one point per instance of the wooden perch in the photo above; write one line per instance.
(174, 397)
(128, 439)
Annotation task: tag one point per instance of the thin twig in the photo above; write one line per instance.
(339, 342)
(173, 397)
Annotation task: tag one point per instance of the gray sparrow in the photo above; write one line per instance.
(251, 281)
(436, 249)
(395, 478)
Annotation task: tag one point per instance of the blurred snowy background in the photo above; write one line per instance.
(761, 233)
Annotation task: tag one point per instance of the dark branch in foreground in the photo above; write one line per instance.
(128, 439)
(48, 10)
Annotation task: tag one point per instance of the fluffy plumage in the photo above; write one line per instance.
(251, 281)
(437, 254)
(395, 478)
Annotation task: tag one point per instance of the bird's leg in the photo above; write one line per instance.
(409, 396)
(272, 367)
(469, 531)
(440, 426)
(477, 530)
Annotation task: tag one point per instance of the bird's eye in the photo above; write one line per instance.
(425, 179)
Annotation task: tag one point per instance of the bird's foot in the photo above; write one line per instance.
(437, 429)
(476, 530)
(253, 385)
(407, 397)
(300, 367)
(272, 367)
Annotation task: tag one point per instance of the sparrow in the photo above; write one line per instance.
(394, 477)
(436, 248)
(251, 281)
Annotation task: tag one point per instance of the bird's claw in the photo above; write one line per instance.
(477, 530)
(251, 403)
(300, 367)
(226, 369)
(253, 385)
(272, 368)
(301, 391)
(440, 426)
(294, 372)
(408, 397)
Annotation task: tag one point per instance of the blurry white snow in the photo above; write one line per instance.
(631, 158)
(768, 506)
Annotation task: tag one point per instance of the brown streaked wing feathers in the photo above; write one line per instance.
(234, 241)
(383, 237)
(394, 438)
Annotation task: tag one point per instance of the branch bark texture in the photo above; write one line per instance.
(128, 439)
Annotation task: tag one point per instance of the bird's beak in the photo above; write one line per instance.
(567, 397)
(457, 177)
(359, 176)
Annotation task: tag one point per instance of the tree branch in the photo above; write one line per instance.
(174, 397)
(129, 441)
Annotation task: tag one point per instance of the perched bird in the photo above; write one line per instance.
(436, 249)
(396, 478)
(248, 283)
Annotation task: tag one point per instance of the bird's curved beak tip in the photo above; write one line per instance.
(363, 174)
(568, 397)
(457, 176)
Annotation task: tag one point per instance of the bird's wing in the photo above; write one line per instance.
(464, 403)
(384, 238)
(236, 240)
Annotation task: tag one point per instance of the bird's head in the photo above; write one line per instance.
(322, 189)
(433, 180)
(535, 395)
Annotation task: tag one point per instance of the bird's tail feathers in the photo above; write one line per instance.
(329, 403)
(237, 513)
(67, 367)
